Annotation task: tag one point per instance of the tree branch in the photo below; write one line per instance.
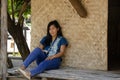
(10, 23)
(13, 17)
(27, 1)
(24, 6)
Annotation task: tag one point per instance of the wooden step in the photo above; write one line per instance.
(0, 76)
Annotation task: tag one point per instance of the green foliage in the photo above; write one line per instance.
(17, 5)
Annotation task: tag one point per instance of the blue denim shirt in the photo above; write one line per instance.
(56, 46)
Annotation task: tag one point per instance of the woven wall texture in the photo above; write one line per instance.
(87, 36)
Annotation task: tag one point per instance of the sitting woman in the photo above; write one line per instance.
(48, 54)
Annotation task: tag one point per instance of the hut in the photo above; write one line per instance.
(91, 27)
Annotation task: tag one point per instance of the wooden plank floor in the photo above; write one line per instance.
(66, 73)
(20, 78)
(0, 76)
(77, 74)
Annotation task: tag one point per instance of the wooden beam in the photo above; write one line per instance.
(79, 7)
(4, 38)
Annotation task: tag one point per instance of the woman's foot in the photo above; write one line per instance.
(25, 73)
(22, 67)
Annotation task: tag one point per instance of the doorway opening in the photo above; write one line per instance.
(113, 34)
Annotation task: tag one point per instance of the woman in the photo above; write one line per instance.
(48, 54)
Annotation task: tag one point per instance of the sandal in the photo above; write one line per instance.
(25, 73)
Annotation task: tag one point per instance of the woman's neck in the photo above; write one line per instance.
(53, 38)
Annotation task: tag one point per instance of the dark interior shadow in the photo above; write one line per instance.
(113, 34)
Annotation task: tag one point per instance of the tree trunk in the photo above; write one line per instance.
(22, 44)
(16, 31)
(17, 34)
(9, 63)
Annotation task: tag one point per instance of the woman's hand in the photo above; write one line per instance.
(62, 49)
(50, 57)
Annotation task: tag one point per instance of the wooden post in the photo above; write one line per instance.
(4, 38)
(0, 43)
(79, 8)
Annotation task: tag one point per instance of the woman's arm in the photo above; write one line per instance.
(62, 50)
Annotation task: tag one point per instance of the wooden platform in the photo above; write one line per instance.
(0, 76)
(74, 74)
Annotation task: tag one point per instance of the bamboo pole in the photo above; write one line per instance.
(4, 38)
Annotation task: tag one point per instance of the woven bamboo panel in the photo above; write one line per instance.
(87, 36)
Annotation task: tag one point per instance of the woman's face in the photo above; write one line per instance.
(53, 31)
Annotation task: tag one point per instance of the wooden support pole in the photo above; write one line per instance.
(4, 38)
(78, 6)
(0, 43)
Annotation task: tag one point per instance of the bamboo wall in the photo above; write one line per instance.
(87, 36)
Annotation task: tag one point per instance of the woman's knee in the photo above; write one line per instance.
(37, 49)
(51, 64)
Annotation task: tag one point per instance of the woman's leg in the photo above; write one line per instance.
(46, 65)
(35, 54)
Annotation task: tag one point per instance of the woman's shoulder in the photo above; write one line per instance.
(43, 38)
(63, 40)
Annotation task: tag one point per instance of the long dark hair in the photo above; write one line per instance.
(59, 33)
